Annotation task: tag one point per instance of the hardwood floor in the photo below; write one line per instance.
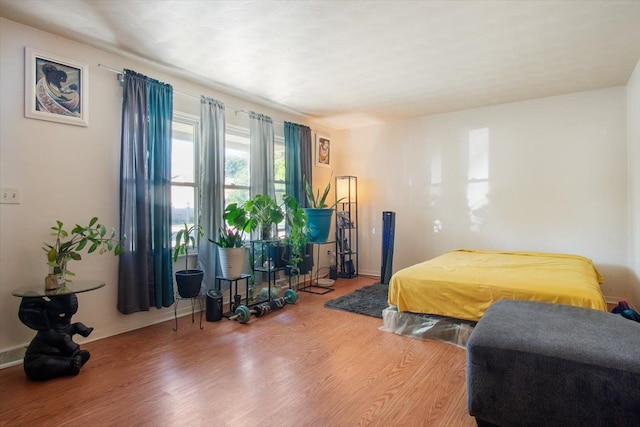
(305, 365)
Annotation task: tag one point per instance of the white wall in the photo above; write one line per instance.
(556, 173)
(71, 173)
(633, 144)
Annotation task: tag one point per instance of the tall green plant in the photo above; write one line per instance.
(297, 223)
(185, 239)
(315, 200)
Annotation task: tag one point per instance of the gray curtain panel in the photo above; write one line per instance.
(261, 168)
(210, 184)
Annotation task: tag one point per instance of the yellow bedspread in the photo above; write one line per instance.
(465, 282)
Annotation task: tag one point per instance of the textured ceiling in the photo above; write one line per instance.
(350, 63)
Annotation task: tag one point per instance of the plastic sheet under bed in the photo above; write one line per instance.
(427, 327)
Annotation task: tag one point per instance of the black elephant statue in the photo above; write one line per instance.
(52, 352)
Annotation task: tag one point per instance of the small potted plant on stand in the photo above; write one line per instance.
(319, 214)
(92, 237)
(188, 280)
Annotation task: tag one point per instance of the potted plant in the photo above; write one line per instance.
(265, 212)
(230, 242)
(188, 280)
(68, 245)
(297, 238)
(319, 214)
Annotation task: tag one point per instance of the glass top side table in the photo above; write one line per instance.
(75, 287)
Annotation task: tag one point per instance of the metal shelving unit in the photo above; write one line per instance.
(347, 226)
(268, 265)
(315, 287)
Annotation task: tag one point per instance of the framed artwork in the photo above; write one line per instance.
(323, 151)
(55, 88)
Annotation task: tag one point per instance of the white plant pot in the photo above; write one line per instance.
(231, 261)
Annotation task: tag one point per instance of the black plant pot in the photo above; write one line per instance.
(306, 264)
(189, 282)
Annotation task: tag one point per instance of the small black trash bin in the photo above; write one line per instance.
(214, 305)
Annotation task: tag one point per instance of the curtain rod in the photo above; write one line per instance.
(120, 74)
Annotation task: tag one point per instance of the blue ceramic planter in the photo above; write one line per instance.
(319, 224)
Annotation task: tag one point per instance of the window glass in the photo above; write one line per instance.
(183, 206)
(183, 166)
(279, 176)
(236, 165)
(182, 153)
(279, 167)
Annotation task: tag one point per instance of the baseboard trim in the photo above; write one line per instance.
(12, 356)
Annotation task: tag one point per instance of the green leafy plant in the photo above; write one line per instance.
(229, 238)
(316, 200)
(185, 239)
(238, 223)
(264, 210)
(68, 245)
(296, 219)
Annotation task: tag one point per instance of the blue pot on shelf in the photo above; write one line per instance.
(319, 224)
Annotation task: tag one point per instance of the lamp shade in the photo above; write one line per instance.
(346, 188)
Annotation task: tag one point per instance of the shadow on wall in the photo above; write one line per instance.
(634, 292)
(620, 283)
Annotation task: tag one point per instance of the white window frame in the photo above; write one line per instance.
(243, 133)
(194, 121)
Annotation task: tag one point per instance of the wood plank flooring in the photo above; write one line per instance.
(305, 365)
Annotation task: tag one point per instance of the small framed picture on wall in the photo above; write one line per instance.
(323, 151)
(55, 89)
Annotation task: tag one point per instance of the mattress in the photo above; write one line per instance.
(463, 283)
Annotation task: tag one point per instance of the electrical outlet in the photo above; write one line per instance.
(10, 195)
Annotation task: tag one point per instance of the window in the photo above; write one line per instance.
(237, 164)
(184, 158)
(279, 176)
(184, 155)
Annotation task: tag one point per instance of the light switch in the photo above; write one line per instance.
(10, 195)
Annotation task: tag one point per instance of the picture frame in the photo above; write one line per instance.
(56, 88)
(323, 151)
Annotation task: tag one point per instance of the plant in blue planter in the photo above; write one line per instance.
(319, 214)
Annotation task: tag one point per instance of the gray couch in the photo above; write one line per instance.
(540, 364)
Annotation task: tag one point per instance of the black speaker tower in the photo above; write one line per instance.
(388, 230)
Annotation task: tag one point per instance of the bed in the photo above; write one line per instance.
(463, 283)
